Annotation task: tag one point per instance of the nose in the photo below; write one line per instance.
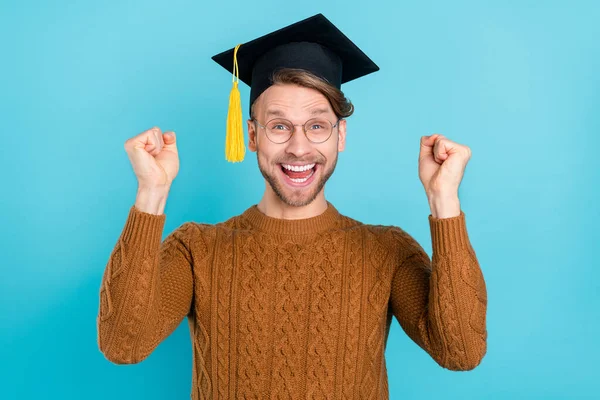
(298, 145)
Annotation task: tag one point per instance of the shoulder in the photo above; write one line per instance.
(195, 236)
(209, 232)
(394, 238)
(389, 233)
(347, 223)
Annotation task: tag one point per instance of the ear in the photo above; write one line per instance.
(251, 136)
(342, 135)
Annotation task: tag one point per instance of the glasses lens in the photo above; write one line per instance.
(318, 130)
(279, 130)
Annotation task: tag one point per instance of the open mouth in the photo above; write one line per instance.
(299, 175)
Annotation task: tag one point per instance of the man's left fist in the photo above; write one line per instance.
(442, 164)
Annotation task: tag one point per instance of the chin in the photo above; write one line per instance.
(298, 192)
(296, 195)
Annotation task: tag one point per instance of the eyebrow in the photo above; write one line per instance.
(279, 113)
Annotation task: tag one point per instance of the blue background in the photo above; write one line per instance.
(516, 81)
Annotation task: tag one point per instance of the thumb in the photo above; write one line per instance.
(426, 148)
(169, 138)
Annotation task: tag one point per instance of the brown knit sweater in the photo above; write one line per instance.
(292, 308)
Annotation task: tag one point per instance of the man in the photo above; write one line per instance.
(291, 298)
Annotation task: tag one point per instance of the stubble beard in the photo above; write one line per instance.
(296, 201)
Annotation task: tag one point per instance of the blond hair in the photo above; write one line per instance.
(342, 107)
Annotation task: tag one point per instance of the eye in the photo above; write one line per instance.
(278, 126)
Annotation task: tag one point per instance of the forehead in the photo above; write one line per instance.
(313, 112)
(293, 101)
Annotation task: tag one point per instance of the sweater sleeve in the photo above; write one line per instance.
(146, 289)
(441, 305)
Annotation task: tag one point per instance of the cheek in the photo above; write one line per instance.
(266, 153)
(331, 151)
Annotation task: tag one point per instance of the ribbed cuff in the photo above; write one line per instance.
(143, 230)
(448, 234)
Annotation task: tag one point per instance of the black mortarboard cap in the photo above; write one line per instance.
(313, 44)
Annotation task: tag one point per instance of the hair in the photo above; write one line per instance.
(342, 107)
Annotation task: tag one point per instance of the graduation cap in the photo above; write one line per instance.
(313, 44)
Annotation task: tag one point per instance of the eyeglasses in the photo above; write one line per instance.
(316, 130)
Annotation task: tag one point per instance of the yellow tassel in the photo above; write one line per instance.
(234, 142)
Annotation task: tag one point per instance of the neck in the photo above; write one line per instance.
(272, 206)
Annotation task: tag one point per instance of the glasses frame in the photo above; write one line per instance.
(293, 130)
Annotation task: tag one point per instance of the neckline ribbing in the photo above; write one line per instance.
(319, 223)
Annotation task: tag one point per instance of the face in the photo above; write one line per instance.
(297, 104)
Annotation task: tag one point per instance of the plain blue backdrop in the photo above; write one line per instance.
(516, 81)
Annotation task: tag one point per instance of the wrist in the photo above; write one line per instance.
(444, 205)
(151, 200)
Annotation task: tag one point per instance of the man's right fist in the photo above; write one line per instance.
(154, 158)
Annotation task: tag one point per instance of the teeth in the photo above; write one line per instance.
(298, 168)
(302, 180)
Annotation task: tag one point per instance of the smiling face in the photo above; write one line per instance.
(296, 171)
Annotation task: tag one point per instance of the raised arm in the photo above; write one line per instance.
(441, 305)
(146, 290)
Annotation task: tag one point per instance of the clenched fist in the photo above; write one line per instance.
(154, 158)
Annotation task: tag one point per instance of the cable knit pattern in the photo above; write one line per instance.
(354, 261)
(290, 309)
(202, 253)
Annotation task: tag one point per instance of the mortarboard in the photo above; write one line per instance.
(313, 44)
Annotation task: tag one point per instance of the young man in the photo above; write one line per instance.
(291, 298)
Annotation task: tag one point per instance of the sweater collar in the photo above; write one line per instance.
(322, 222)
